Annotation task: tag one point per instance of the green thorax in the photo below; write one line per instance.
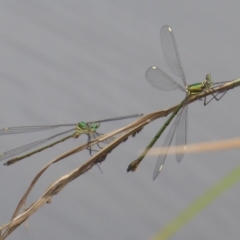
(197, 88)
(85, 128)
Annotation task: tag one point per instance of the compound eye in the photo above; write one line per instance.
(94, 127)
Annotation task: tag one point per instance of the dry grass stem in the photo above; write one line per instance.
(130, 130)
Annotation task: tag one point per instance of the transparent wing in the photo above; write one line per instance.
(119, 118)
(166, 144)
(171, 53)
(27, 129)
(30, 146)
(97, 134)
(181, 134)
(160, 80)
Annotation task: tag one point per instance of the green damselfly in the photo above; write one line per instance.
(163, 81)
(88, 128)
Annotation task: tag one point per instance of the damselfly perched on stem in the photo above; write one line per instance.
(88, 128)
(163, 81)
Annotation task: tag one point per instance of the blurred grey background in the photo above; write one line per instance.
(69, 61)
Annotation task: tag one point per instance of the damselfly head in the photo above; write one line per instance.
(94, 126)
(208, 81)
(208, 78)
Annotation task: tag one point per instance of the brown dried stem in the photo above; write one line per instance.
(131, 129)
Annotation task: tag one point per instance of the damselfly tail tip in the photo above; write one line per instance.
(133, 166)
(130, 169)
